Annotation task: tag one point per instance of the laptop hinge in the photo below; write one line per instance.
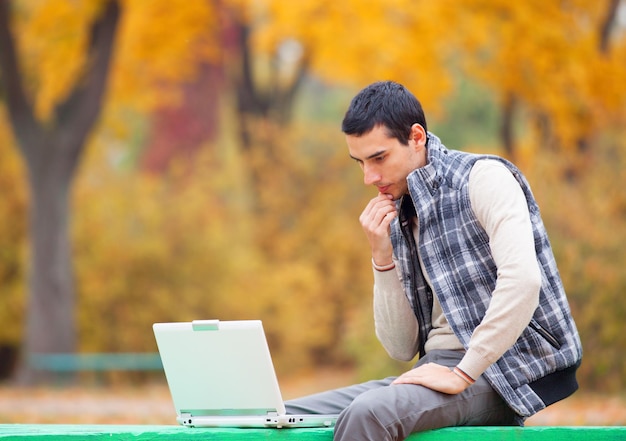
(185, 419)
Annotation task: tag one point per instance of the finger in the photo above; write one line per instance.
(416, 373)
(366, 215)
(407, 379)
(377, 209)
(383, 220)
(374, 205)
(371, 220)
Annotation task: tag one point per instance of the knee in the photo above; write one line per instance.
(363, 408)
(363, 419)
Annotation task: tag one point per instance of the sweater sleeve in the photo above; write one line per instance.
(394, 320)
(500, 206)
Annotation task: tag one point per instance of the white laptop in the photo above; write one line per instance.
(220, 374)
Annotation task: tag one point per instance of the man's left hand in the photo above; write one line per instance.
(434, 376)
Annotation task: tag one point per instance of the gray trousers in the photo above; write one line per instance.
(379, 411)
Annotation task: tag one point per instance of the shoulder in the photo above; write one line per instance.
(491, 169)
(495, 191)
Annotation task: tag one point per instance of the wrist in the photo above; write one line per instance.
(386, 267)
(463, 376)
(382, 255)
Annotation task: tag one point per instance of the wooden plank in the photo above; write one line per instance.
(53, 432)
(534, 433)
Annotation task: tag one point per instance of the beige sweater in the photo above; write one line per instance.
(500, 207)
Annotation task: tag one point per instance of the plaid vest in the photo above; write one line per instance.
(454, 252)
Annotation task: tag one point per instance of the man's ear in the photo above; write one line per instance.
(418, 135)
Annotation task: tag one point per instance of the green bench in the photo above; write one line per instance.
(51, 432)
(98, 362)
(64, 368)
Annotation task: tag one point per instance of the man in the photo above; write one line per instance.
(464, 277)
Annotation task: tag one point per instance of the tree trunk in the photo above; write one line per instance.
(507, 126)
(607, 26)
(272, 104)
(50, 325)
(52, 153)
(264, 110)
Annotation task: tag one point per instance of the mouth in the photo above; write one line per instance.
(384, 189)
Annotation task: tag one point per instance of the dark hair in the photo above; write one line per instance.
(384, 103)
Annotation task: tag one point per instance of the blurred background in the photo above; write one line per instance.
(171, 160)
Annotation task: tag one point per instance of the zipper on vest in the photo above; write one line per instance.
(545, 334)
(405, 227)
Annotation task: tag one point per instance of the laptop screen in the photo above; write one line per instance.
(219, 368)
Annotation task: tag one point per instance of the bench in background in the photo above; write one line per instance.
(97, 362)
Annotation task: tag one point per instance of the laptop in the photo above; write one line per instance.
(220, 374)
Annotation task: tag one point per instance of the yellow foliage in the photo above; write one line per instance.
(194, 245)
(274, 234)
(53, 39)
(547, 54)
(353, 42)
(159, 45)
(544, 53)
(139, 262)
(585, 219)
(13, 238)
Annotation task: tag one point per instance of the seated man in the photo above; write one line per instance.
(464, 277)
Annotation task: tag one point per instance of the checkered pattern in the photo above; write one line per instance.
(453, 250)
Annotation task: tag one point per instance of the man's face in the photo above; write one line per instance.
(385, 161)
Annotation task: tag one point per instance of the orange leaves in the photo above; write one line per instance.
(545, 53)
(548, 56)
(585, 219)
(160, 44)
(52, 38)
(13, 237)
(148, 249)
(359, 42)
(198, 244)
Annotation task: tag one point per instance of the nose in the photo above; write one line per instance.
(370, 175)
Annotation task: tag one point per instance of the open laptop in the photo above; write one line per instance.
(220, 374)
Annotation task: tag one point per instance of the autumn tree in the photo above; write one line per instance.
(52, 152)
(54, 79)
(13, 237)
(554, 68)
(550, 60)
(546, 64)
(553, 62)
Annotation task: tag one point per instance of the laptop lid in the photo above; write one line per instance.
(219, 368)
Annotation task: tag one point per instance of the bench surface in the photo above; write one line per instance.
(145, 432)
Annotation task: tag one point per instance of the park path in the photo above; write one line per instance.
(151, 404)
